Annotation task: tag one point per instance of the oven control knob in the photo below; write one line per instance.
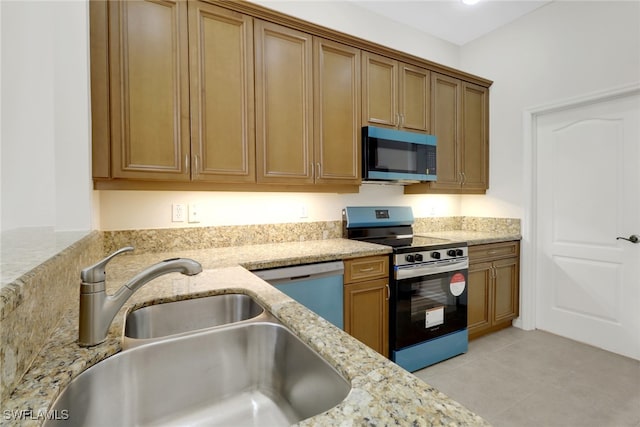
(435, 255)
(418, 257)
(409, 258)
(459, 252)
(451, 252)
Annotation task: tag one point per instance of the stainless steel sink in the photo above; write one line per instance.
(255, 373)
(150, 323)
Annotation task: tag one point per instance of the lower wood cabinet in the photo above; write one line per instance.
(366, 301)
(494, 287)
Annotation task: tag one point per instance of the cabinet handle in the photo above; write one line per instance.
(318, 170)
(313, 170)
(492, 252)
(186, 162)
(366, 270)
(464, 178)
(388, 292)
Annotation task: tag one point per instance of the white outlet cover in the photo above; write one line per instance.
(194, 213)
(178, 212)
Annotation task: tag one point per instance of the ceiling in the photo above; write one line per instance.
(452, 20)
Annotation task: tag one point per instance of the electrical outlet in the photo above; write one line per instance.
(194, 213)
(178, 212)
(303, 211)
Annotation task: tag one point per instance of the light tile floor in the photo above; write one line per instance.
(516, 378)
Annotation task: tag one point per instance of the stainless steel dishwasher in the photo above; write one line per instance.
(319, 287)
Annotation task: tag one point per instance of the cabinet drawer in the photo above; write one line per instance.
(493, 251)
(359, 269)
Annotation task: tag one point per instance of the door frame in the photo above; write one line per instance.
(529, 244)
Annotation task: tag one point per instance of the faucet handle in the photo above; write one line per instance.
(96, 273)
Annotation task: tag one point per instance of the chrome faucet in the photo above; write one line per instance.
(97, 309)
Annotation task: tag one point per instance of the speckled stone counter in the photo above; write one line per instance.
(382, 392)
(473, 237)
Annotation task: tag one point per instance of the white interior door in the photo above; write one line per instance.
(588, 194)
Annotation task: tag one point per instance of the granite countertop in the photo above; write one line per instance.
(382, 392)
(23, 249)
(472, 237)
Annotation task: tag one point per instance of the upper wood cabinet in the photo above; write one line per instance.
(284, 104)
(337, 112)
(307, 106)
(222, 100)
(229, 95)
(475, 138)
(460, 121)
(149, 90)
(394, 94)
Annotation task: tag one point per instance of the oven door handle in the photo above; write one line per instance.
(421, 270)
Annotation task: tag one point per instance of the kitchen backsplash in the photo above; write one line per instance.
(171, 239)
(466, 223)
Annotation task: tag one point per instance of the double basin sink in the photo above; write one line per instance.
(218, 360)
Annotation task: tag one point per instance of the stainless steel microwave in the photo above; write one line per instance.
(399, 156)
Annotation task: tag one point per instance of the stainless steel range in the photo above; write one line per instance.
(428, 282)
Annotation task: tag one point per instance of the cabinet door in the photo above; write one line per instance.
(446, 126)
(149, 90)
(284, 91)
(379, 90)
(506, 290)
(475, 139)
(415, 98)
(366, 268)
(366, 313)
(222, 103)
(479, 308)
(337, 113)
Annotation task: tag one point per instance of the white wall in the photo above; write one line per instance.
(119, 210)
(45, 115)
(564, 49)
(122, 210)
(346, 17)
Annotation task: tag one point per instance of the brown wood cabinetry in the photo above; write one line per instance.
(229, 95)
(366, 301)
(149, 91)
(394, 94)
(460, 121)
(494, 290)
(222, 101)
(308, 105)
(337, 112)
(284, 104)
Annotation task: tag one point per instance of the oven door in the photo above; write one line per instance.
(428, 307)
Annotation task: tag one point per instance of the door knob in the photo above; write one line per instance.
(633, 238)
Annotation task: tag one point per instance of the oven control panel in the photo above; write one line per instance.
(424, 256)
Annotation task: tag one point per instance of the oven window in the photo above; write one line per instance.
(428, 296)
